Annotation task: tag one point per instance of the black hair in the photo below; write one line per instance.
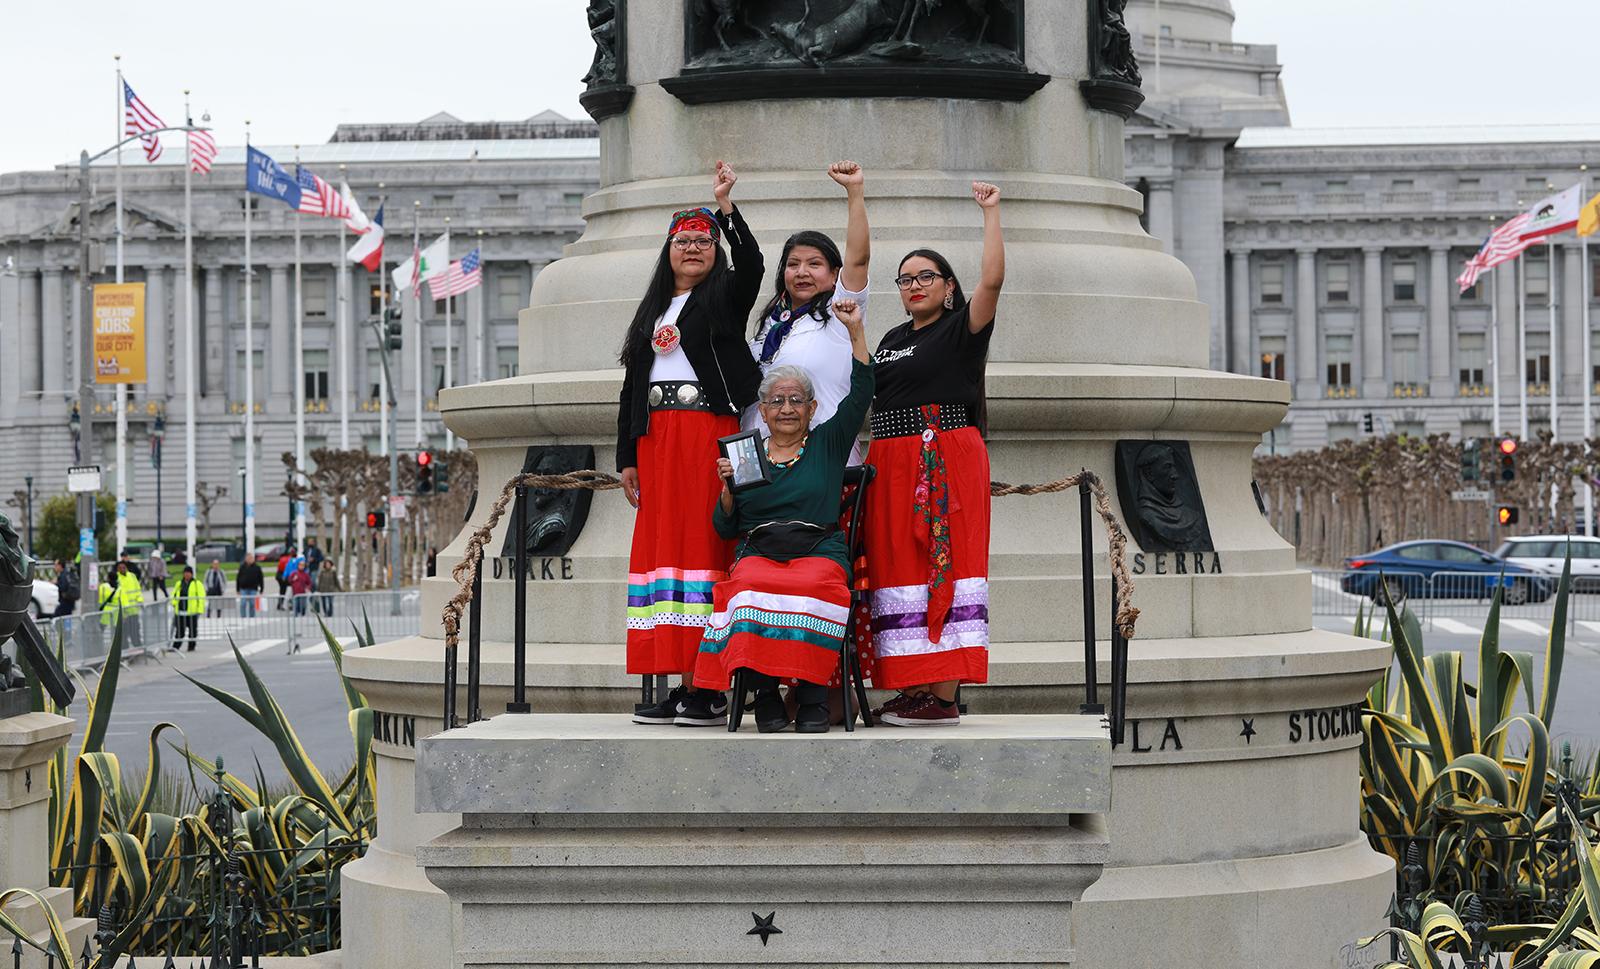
(658, 296)
(830, 252)
(958, 299)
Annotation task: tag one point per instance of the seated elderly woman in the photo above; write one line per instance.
(782, 610)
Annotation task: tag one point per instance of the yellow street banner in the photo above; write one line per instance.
(1589, 218)
(119, 333)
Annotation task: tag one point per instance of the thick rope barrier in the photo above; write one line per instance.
(466, 571)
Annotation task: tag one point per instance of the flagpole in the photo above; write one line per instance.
(449, 334)
(1494, 341)
(1522, 353)
(480, 342)
(416, 303)
(299, 371)
(249, 369)
(1585, 283)
(122, 388)
(191, 367)
(383, 320)
(1555, 342)
(342, 338)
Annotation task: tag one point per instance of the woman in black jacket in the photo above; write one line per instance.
(688, 375)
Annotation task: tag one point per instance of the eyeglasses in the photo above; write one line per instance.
(923, 279)
(793, 400)
(683, 244)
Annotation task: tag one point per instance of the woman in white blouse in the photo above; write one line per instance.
(798, 327)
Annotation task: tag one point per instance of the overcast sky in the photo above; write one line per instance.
(1354, 62)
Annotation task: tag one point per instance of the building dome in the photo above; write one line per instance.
(1191, 19)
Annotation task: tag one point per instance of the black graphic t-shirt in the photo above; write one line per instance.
(941, 363)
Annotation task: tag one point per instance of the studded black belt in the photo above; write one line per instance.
(678, 395)
(908, 421)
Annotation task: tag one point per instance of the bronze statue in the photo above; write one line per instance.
(16, 591)
(556, 516)
(1116, 44)
(726, 13)
(844, 34)
(1160, 496)
(603, 28)
(745, 34)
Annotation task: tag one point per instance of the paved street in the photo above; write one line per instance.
(306, 685)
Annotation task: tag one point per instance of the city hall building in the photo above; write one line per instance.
(1327, 258)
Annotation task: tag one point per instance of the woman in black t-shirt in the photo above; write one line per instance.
(928, 511)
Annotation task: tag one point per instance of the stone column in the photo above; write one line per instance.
(1160, 218)
(1305, 325)
(52, 349)
(28, 332)
(280, 344)
(1243, 361)
(1439, 382)
(1570, 298)
(212, 329)
(27, 743)
(158, 330)
(180, 376)
(10, 336)
(475, 318)
(1505, 297)
(1372, 376)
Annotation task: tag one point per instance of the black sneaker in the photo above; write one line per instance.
(663, 711)
(772, 716)
(703, 708)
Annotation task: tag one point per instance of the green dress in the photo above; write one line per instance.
(808, 490)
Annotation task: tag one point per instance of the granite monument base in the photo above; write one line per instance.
(589, 841)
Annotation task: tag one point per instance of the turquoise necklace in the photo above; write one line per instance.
(767, 446)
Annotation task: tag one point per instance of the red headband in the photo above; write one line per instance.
(701, 219)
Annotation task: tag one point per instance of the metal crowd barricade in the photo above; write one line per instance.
(253, 623)
(1450, 600)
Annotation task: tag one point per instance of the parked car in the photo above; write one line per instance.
(269, 553)
(1443, 570)
(45, 598)
(218, 552)
(1547, 553)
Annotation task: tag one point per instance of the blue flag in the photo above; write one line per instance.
(264, 176)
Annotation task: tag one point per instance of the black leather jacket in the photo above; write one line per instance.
(712, 332)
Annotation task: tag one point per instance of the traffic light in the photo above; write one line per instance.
(1508, 459)
(1469, 459)
(376, 520)
(441, 478)
(1366, 423)
(424, 473)
(392, 328)
(1506, 514)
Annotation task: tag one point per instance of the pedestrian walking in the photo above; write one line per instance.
(327, 583)
(121, 601)
(283, 575)
(249, 584)
(156, 573)
(188, 605)
(313, 558)
(216, 588)
(67, 589)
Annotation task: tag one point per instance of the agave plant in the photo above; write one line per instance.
(165, 878)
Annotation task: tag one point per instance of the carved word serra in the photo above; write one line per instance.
(1177, 563)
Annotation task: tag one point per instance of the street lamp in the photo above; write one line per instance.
(75, 428)
(244, 515)
(158, 434)
(28, 480)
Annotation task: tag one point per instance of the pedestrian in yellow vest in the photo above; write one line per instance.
(188, 605)
(120, 597)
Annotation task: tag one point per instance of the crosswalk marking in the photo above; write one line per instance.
(1456, 626)
(260, 645)
(1526, 626)
(320, 647)
(1593, 627)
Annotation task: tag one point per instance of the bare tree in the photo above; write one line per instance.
(207, 496)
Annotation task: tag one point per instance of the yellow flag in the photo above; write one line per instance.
(1589, 218)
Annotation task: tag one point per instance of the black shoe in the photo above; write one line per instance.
(772, 716)
(812, 718)
(703, 708)
(665, 710)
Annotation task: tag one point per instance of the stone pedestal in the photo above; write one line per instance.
(1235, 803)
(588, 841)
(26, 744)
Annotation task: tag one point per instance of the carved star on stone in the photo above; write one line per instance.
(764, 926)
(1248, 731)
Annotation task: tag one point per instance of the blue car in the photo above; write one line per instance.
(1430, 569)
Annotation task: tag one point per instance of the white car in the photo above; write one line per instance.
(45, 599)
(1546, 553)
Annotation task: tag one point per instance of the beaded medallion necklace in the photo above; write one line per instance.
(767, 446)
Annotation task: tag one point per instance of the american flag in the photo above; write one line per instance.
(318, 197)
(464, 274)
(1504, 243)
(138, 119)
(202, 151)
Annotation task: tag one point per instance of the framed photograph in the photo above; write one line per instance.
(749, 459)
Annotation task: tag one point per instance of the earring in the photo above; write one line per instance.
(949, 301)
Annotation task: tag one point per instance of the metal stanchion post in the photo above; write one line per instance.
(1091, 685)
(474, 648)
(519, 640)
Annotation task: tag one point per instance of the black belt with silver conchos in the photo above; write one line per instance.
(908, 421)
(678, 395)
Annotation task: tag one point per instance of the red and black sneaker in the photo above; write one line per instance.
(900, 701)
(926, 710)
